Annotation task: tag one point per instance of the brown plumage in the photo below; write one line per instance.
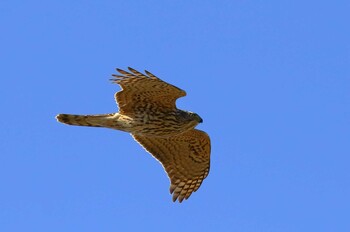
(148, 111)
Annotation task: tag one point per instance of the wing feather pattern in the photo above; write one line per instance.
(185, 158)
(139, 90)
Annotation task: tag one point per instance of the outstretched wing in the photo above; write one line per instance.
(185, 158)
(140, 91)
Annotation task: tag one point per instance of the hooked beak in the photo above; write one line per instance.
(200, 120)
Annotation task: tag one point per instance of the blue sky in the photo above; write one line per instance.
(271, 79)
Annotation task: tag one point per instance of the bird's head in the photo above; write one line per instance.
(190, 117)
(195, 117)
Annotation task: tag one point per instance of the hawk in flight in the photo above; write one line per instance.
(148, 111)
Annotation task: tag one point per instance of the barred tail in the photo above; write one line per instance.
(98, 120)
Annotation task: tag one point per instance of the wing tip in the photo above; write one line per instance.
(119, 70)
(131, 69)
(151, 75)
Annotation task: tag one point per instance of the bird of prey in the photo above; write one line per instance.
(147, 111)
